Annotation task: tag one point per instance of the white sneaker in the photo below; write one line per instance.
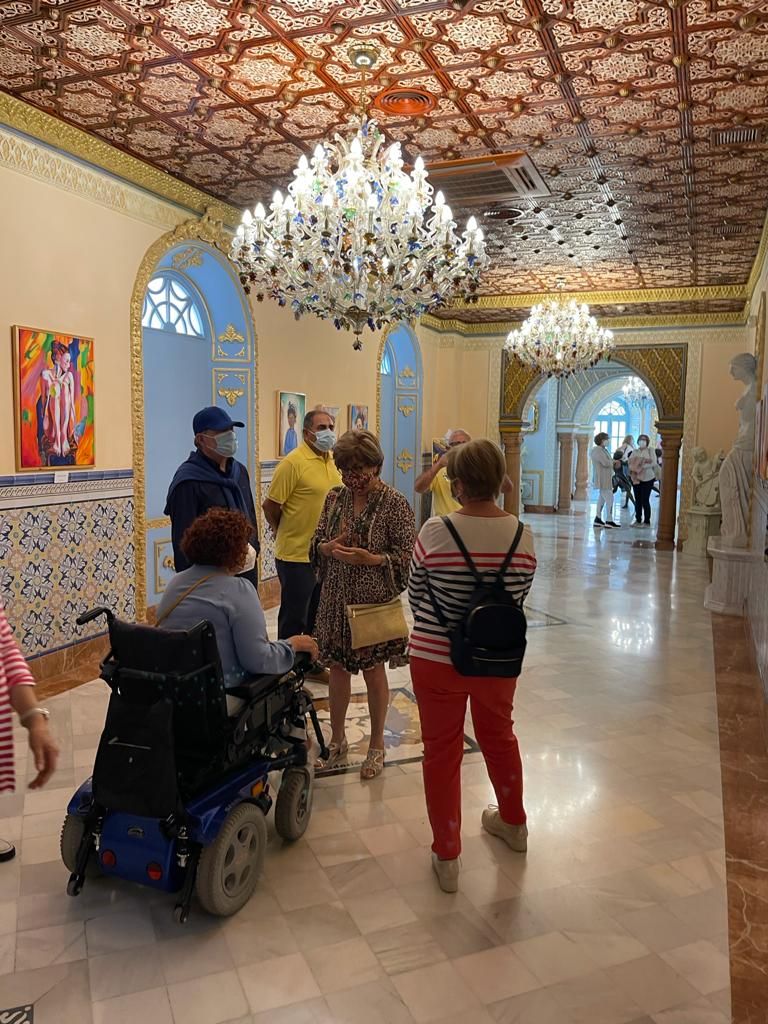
(515, 836)
(447, 872)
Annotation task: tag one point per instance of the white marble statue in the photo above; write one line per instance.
(706, 480)
(736, 470)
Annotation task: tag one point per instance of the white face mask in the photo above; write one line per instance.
(642, 444)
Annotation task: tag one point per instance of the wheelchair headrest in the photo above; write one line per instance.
(164, 651)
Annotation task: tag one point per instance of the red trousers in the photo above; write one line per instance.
(442, 698)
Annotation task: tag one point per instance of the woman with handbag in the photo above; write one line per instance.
(361, 551)
(644, 471)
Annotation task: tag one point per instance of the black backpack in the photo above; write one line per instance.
(489, 638)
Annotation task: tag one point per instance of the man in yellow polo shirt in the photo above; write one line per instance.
(435, 479)
(292, 508)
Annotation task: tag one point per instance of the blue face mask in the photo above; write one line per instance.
(225, 444)
(325, 440)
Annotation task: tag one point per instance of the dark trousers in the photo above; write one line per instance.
(299, 598)
(643, 501)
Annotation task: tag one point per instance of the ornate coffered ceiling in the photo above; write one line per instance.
(617, 102)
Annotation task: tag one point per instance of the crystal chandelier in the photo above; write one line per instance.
(357, 240)
(635, 392)
(560, 337)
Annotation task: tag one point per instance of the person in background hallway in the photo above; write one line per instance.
(17, 693)
(211, 478)
(361, 551)
(292, 508)
(436, 480)
(627, 447)
(476, 472)
(602, 465)
(644, 471)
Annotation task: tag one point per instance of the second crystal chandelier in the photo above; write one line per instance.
(559, 337)
(357, 239)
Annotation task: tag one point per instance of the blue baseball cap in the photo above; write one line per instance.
(213, 418)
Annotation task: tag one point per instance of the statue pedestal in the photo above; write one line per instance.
(702, 524)
(731, 573)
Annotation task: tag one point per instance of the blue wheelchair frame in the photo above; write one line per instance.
(163, 851)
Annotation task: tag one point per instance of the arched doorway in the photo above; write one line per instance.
(193, 345)
(399, 414)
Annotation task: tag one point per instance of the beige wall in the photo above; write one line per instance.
(718, 419)
(68, 264)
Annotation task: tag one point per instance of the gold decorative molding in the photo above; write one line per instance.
(231, 334)
(405, 461)
(50, 130)
(500, 328)
(35, 160)
(230, 395)
(626, 297)
(157, 524)
(189, 257)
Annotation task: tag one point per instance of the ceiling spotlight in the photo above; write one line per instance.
(249, 8)
(338, 28)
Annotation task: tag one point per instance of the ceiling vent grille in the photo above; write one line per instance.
(738, 136)
(487, 180)
(731, 229)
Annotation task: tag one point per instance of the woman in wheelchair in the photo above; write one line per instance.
(216, 545)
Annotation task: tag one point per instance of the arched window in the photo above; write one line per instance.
(170, 306)
(386, 362)
(613, 421)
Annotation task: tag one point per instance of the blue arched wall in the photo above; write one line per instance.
(183, 374)
(401, 410)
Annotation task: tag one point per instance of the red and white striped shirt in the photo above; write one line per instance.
(436, 557)
(14, 671)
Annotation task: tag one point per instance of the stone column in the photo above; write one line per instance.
(565, 486)
(513, 439)
(671, 439)
(582, 467)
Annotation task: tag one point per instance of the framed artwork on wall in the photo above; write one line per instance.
(358, 417)
(53, 400)
(531, 414)
(291, 408)
(332, 410)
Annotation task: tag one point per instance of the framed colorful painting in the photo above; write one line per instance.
(54, 400)
(291, 407)
(358, 417)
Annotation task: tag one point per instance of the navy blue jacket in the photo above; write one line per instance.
(198, 485)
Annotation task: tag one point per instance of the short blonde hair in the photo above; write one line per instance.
(358, 448)
(479, 467)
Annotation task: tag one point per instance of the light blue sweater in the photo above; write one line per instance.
(232, 606)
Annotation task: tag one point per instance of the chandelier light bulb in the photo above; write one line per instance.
(636, 392)
(358, 240)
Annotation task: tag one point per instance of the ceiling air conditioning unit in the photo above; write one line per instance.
(487, 180)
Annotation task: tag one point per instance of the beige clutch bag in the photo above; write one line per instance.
(372, 624)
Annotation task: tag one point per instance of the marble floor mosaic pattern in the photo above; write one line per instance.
(616, 916)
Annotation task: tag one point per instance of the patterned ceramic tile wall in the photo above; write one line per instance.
(58, 560)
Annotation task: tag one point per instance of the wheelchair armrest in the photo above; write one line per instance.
(302, 662)
(254, 687)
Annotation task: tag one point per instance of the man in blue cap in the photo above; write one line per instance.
(210, 478)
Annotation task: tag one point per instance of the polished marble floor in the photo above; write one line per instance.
(616, 916)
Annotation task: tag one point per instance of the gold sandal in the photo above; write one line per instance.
(373, 765)
(337, 753)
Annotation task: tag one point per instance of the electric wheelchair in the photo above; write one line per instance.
(180, 789)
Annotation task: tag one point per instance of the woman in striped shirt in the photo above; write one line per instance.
(17, 691)
(476, 471)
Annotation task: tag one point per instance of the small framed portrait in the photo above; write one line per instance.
(54, 399)
(291, 408)
(358, 417)
(332, 410)
(439, 449)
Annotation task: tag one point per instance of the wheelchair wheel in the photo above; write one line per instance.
(230, 867)
(294, 803)
(71, 837)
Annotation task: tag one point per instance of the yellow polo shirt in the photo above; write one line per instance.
(443, 502)
(300, 486)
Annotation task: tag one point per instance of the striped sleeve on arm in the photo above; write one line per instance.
(14, 665)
